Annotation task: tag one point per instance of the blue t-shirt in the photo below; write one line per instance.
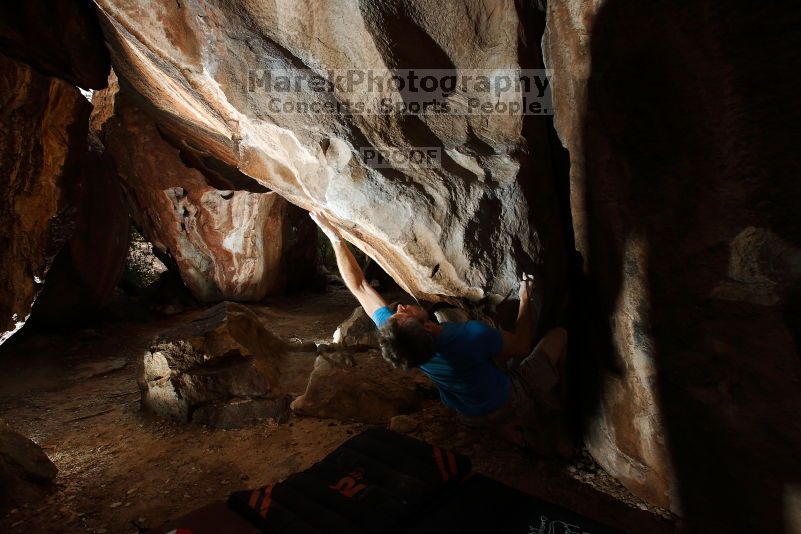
(462, 367)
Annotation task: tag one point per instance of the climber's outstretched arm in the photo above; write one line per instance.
(349, 268)
(517, 344)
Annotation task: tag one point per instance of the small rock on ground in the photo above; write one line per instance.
(403, 424)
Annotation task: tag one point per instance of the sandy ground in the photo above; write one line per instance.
(122, 470)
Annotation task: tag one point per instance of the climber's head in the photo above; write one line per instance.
(408, 338)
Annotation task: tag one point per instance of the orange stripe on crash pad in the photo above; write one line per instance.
(452, 462)
(440, 464)
(265, 505)
(254, 498)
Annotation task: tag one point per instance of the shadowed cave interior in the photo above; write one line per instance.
(174, 328)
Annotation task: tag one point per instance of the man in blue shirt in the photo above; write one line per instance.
(524, 403)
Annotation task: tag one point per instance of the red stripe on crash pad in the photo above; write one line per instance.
(440, 464)
(254, 498)
(452, 462)
(265, 505)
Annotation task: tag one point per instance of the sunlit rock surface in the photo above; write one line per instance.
(43, 127)
(685, 198)
(465, 228)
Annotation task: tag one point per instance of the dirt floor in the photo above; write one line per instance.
(123, 470)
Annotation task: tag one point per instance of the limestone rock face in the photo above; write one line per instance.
(59, 38)
(226, 244)
(222, 367)
(463, 228)
(43, 127)
(685, 199)
(359, 386)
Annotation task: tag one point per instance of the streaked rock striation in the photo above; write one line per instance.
(227, 244)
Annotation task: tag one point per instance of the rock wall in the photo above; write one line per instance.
(680, 119)
(43, 127)
(85, 273)
(465, 228)
(226, 244)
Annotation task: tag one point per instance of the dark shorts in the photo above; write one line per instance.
(534, 404)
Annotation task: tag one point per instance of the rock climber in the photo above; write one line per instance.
(466, 360)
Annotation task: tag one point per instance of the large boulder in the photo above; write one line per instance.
(684, 176)
(352, 382)
(221, 367)
(360, 386)
(463, 227)
(227, 244)
(43, 129)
